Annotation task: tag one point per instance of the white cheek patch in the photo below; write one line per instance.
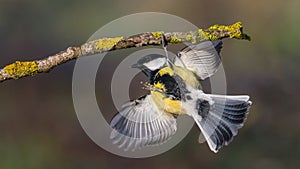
(156, 64)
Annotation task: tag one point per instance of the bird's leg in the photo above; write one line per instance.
(165, 44)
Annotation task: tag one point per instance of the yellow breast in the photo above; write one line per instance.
(166, 104)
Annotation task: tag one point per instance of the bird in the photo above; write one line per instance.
(175, 90)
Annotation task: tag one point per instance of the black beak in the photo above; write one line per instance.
(136, 65)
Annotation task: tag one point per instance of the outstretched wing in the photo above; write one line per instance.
(140, 124)
(203, 59)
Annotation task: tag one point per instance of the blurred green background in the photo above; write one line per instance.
(38, 124)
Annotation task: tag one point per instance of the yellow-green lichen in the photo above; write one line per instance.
(236, 30)
(202, 35)
(107, 43)
(216, 32)
(175, 40)
(20, 69)
(157, 34)
(188, 37)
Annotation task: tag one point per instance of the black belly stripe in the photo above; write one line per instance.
(174, 85)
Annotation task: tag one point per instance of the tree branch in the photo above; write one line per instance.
(21, 69)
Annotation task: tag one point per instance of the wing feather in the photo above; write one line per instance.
(203, 59)
(141, 124)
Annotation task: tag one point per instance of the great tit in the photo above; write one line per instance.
(175, 90)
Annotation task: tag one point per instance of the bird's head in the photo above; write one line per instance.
(150, 64)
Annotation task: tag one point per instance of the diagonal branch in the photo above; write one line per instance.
(21, 69)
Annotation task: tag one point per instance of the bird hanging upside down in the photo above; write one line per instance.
(175, 90)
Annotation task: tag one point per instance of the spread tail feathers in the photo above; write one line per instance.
(220, 118)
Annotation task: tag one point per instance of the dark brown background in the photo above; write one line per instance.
(38, 124)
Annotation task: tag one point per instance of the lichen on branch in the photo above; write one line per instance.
(21, 69)
(233, 31)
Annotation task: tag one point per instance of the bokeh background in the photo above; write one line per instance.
(38, 124)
